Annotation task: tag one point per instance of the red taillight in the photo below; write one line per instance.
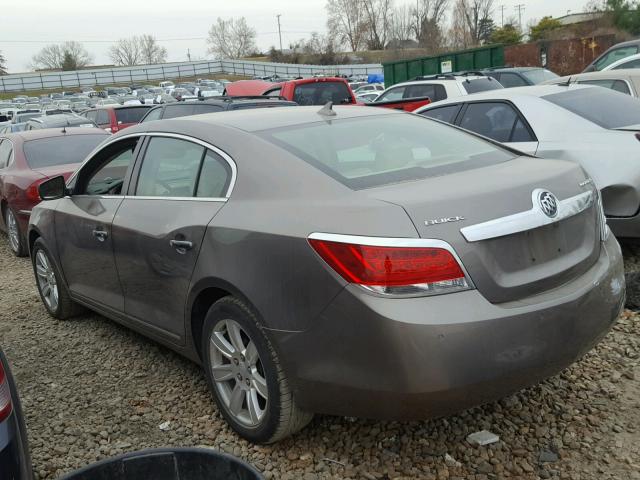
(5, 395)
(393, 269)
(32, 190)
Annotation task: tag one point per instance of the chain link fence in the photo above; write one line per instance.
(147, 73)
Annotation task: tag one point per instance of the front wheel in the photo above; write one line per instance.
(247, 380)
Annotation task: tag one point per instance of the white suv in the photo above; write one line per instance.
(439, 87)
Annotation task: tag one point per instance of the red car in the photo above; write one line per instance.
(29, 158)
(114, 118)
(315, 91)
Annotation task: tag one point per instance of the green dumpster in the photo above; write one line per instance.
(473, 59)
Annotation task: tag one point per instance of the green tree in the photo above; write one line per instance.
(486, 29)
(507, 35)
(625, 14)
(3, 68)
(544, 27)
(69, 62)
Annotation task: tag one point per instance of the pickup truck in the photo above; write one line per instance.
(315, 91)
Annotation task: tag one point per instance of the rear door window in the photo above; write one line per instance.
(215, 176)
(170, 168)
(497, 121)
(130, 115)
(444, 114)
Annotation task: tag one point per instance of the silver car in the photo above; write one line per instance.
(349, 261)
(595, 127)
(623, 81)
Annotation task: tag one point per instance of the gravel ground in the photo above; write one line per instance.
(92, 389)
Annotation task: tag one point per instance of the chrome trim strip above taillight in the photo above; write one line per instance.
(528, 220)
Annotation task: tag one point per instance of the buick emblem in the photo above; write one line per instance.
(548, 203)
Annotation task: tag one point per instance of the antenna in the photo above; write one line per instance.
(327, 110)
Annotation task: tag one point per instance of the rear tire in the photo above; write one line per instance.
(16, 238)
(53, 291)
(247, 380)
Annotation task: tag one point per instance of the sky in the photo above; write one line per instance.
(29, 25)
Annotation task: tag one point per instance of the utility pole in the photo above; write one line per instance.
(279, 31)
(189, 54)
(502, 7)
(520, 8)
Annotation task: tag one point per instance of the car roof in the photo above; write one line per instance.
(445, 77)
(253, 120)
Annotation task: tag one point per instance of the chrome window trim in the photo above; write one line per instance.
(134, 197)
(527, 220)
(226, 157)
(395, 242)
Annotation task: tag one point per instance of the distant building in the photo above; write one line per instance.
(576, 18)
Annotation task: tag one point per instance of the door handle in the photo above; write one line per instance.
(181, 246)
(101, 235)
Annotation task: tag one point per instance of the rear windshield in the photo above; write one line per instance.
(319, 93)
(601, 106)
(47, 152)
(481, 85)
(130, 115)
(539, 75)
(378, 150)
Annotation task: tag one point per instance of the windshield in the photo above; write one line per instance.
(601, 106)
(539, 75)
(47, 152)
(481, 85)
(372, 151)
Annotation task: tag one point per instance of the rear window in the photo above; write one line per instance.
(481, 85)
(130, 115)
(601, 106)
(378, 150)
(319, 93)
(539, 76)
(47, 152)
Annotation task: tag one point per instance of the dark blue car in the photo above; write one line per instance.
(15, 462)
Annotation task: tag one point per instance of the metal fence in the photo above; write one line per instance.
(146, 73)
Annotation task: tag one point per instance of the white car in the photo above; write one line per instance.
(623, 81)
(367, 97)
(632, 61)
(370, 87)
(439, 87)
(593, 126)
(166, 85)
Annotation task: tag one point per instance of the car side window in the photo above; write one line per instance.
(91, 115)
(444, 114)
(510, 80)
(102, 117)
(434, 91)
(170, 168)
(215, 176)
(104, 174)
(153, 114)
(391, 95)
(175, 111)
(630, 64)
(6, 153)
(617, 85)
(615, 55)
(497, 121)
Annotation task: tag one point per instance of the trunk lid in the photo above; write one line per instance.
(516, 265)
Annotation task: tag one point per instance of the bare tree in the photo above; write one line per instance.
(459, 35)
(126, 52)
(150, 51)
(3, 67)
(428, 15)
(401, 28)
(346, 22)
(378, 15)
(474, 14)
(231, 38)
(53, 56)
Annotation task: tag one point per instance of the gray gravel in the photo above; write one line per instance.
(92, 389)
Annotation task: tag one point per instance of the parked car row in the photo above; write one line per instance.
(259, 242)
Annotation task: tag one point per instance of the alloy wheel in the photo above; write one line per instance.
(13, 231)
(238, 373)
(47, 280)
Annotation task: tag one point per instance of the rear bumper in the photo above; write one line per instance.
(414, 358)
(628, 227)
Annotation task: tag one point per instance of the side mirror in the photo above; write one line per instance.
(53, 188)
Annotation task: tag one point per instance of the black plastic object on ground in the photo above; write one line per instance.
(169, 464)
